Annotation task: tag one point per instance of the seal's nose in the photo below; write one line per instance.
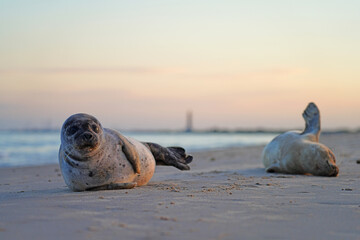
(335, 171)
(87, 136)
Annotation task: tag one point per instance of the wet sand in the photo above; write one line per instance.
(226, 195)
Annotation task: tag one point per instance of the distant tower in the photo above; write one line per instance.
(189, 122)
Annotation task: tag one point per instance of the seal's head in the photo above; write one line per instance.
(325, 162)
(81, 136)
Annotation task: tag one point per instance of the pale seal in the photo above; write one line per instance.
(95, 158)
(298, 152)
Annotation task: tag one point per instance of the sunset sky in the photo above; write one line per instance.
(143, 64)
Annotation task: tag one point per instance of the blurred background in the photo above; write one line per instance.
(149, 65)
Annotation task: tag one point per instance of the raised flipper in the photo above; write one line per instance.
(273, 168)
(171, 156)
(312, 120)
(113, 186)
(130, 152)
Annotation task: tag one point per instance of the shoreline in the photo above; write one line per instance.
(225, 195)
(22, 160)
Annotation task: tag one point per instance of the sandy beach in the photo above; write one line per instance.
(226, 195)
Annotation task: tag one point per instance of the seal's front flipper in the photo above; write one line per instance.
(274, 168)
(171, 156)
(130, 152)
(113, 186)
(311, 116)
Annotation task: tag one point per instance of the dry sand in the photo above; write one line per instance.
(226, 195)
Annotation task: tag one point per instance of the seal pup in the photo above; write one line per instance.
(95, 158)
(296, 152)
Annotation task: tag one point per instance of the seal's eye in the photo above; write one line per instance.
(72, 130)
(95, 128)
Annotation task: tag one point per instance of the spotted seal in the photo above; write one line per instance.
(296, 152)
(95, 158)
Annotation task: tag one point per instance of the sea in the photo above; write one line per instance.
(40, 147)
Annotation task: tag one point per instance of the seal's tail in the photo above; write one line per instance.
(181, 153)
(171, 156)
(311, 116)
